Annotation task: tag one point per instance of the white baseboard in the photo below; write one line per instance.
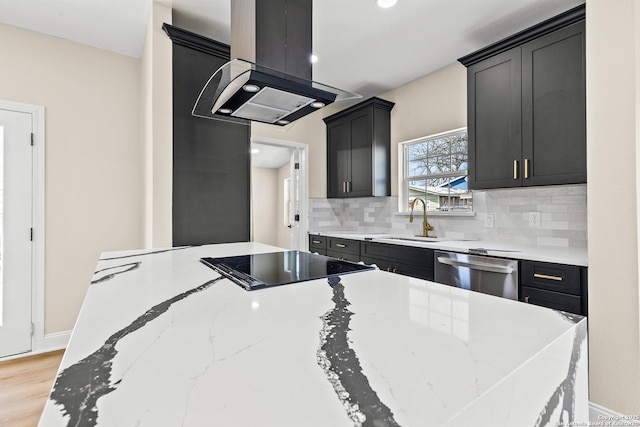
(50, 342)
(55, 341)
(598, 413)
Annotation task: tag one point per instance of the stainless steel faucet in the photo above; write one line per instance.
(426, 227)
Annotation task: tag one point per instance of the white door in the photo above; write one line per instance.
(15, 231)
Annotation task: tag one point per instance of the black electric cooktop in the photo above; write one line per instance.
(279, 268)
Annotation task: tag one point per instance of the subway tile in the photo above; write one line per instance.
(552, 241)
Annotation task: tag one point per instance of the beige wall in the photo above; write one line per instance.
(613, 74)
(94, 192)
(264, 205)
(433, 104)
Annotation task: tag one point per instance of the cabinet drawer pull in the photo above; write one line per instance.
(526, 168)
(515, 169)
(316, 242)
(526, 299)
(340, 245)
(348, 186)
(544, 276)
(344, 186)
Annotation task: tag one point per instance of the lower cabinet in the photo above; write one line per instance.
(343, 249)
(405, 260)
(318, 244)
(557, 286)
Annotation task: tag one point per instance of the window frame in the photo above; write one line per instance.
(403, 189)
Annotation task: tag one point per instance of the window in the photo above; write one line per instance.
(435, 170)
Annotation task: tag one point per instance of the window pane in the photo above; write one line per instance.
(459, 162)
(439, 164)
(417, 167)
(445, 156)
(417, 151)
(439, 147)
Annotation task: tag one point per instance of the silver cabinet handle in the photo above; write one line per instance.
(344, 186)
(316, 241)
(340, 245)
(348, 186)
(515, 169)
(526, 299)
(526, 168)
(476, 265)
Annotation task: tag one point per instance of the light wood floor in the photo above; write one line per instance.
(25, 384)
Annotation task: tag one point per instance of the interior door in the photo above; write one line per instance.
(15, 232)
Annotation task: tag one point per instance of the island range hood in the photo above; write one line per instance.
(269, 79)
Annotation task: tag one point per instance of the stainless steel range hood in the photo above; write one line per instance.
(269, 80)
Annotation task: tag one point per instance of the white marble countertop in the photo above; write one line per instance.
(556, 254)
(162, 340)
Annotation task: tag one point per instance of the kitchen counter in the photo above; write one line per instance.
(162, 340)
(560, 255)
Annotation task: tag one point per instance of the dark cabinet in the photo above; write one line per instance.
(554, 108)
(318, 244)
(526, 107)
(405, 260)
(494, 120)
(358, 150)
(211, 162)
(557, 286)
(343, 248)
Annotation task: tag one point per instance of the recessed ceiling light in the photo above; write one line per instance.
(283, 122)
(225, 111)
(317, 104)
(387, 3)
(314, 59)
(251, 88)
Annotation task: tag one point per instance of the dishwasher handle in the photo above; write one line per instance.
(476, 265)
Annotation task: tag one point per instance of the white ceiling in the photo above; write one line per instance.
(361, 47)
(269, 156)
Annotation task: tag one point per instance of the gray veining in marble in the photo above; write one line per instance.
(342, 367)
(78, 387)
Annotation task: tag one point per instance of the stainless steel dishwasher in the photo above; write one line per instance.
(494, 276)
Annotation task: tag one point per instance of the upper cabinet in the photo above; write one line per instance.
(526, 107)
(358, 150)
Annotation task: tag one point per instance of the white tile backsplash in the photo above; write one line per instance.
(563, 212)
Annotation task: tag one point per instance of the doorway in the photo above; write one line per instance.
(16, 228)
(279, 193)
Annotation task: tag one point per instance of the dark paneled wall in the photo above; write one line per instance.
(211, 160)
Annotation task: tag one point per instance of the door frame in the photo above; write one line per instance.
(303, 242)
(38, 342)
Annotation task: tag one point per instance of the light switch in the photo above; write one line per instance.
(490, 220)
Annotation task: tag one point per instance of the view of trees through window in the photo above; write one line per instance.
(436, 171)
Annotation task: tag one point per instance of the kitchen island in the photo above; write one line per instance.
(162, 340)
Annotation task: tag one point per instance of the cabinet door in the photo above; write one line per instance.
(360, 178)
(493, 112)
(554, 108)
(554, 300)
(338, 158)
(318, 244)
